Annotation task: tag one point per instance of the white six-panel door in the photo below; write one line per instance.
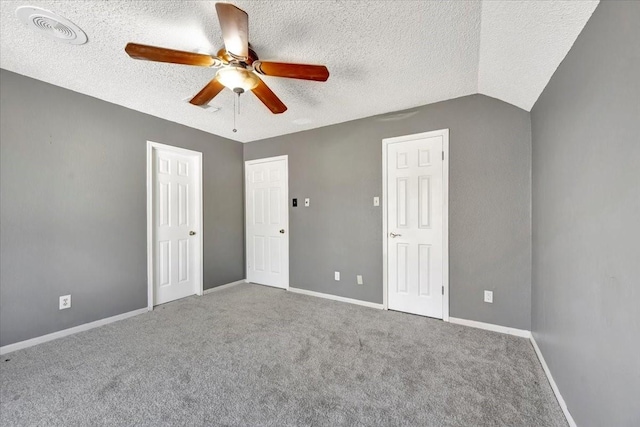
(267, 221)
(415, 224)
(176, 264)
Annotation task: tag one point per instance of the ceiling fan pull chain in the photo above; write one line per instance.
(234, 114)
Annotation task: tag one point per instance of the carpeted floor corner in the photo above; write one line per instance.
(256, 356)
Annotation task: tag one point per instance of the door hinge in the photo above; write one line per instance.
(443, 155)
(443, 290)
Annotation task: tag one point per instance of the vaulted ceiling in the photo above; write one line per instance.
(383, 56)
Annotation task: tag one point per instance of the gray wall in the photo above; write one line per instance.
(586, 220)
(73, 206)
(340, 168)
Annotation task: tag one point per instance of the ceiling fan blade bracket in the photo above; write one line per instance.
(239, 58)
(228, 58)
(256, 67)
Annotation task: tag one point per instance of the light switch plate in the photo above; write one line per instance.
(306, 202)
(336, 275)
(376, 201)
(359, 279)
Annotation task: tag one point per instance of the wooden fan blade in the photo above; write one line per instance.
(234, 24)
(293, 71)
(160, 54)
(269, 98)
(207, 93)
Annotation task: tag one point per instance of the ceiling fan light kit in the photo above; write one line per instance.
(237, 79)
(239, 66)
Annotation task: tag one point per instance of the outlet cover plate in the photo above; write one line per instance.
(65, 302)
(336, 275)
(359, 279)
(488, 296)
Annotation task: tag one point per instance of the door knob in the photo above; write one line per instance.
(192, 233)
(282, 231)
(394, 235)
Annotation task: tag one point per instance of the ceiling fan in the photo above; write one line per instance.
(238, 65)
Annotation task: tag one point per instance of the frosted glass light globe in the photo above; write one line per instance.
(236, 77)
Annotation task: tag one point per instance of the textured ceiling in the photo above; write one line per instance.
(523, 42)
(383, 55)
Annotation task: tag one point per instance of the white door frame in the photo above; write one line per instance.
(445, 214)
(150, 229)
(246, 207)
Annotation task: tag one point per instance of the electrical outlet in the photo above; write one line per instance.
(65, 302)
(376, 201)
(336, 275)
(359, 279)
(306, 202)
(488, 296)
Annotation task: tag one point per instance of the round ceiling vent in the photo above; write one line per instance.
(52, 25)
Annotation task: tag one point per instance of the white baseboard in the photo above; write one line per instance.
(85, 327)
(221, 287)
(66, 332)
(336, 298)
(524, 334)
(554, 386)
(491, 327)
